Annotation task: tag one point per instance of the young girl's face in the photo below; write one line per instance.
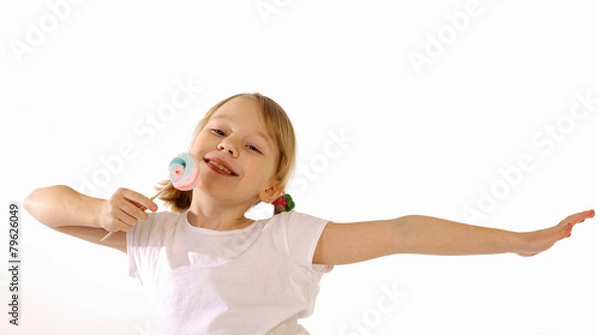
(237, 157)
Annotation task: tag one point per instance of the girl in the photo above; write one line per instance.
(213, 270)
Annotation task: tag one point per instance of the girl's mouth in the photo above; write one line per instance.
(219, 167)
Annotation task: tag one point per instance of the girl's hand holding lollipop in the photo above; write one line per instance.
(126, 207)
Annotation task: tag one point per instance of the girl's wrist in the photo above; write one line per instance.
(89, 211)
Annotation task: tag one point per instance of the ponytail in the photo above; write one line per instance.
(278, 209)
(283, 204)
(178, 201)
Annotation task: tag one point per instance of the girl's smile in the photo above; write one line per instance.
(220, 166)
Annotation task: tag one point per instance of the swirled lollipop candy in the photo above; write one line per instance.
(183, 173)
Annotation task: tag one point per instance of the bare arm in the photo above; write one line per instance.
(429, 235)
(68, 211)
(422, 234)
(354, 242)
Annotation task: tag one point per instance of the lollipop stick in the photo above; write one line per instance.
(141, 207)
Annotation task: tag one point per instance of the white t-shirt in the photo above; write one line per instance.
(256, 280)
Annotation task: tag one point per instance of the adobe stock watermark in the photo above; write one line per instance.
(389, 299)
(266, 9)
(338, 142)
(149, 328)
(437, 43)
(183, 95)
(546, 139)
(38, 31)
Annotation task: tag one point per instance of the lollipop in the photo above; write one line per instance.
(183, 173)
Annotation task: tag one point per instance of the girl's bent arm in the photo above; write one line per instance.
(60, 206)
(68, 211)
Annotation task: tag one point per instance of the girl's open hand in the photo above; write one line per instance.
(537, 241)
(124, 209)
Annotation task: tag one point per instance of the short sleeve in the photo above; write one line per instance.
(137, 241)
(144, 241)
(303, 233)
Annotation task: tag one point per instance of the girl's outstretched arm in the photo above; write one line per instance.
(418, 234)
(68, 211)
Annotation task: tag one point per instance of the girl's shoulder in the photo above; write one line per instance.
(159, 221)
(301, 233)
(163, 217)
(166, 215)
(294, 216)
(294, 223)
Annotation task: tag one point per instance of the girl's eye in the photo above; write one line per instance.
(218, 132)
(253, 148)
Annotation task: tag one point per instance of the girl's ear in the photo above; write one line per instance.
(272, 192)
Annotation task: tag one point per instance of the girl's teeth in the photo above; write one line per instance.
(220, 166)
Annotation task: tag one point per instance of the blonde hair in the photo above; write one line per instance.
(280, 129)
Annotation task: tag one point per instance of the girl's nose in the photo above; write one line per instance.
(228, 146)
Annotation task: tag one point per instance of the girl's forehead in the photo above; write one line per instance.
(242, 109)
(240, 105)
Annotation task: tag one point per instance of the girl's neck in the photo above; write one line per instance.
(207, 213)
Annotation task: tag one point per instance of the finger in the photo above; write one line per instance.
(120, 225)
(574, 219)
(139, 199)
(125, 217)
(118, 220)
(584, 215)
(589, 213)
(132, 212)
(580, 217)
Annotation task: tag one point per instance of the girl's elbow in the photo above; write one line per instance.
(36, 203)
(30, 200)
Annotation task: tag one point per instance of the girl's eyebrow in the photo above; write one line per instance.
(265, 138)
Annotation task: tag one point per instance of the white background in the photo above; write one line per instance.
(430, 143)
